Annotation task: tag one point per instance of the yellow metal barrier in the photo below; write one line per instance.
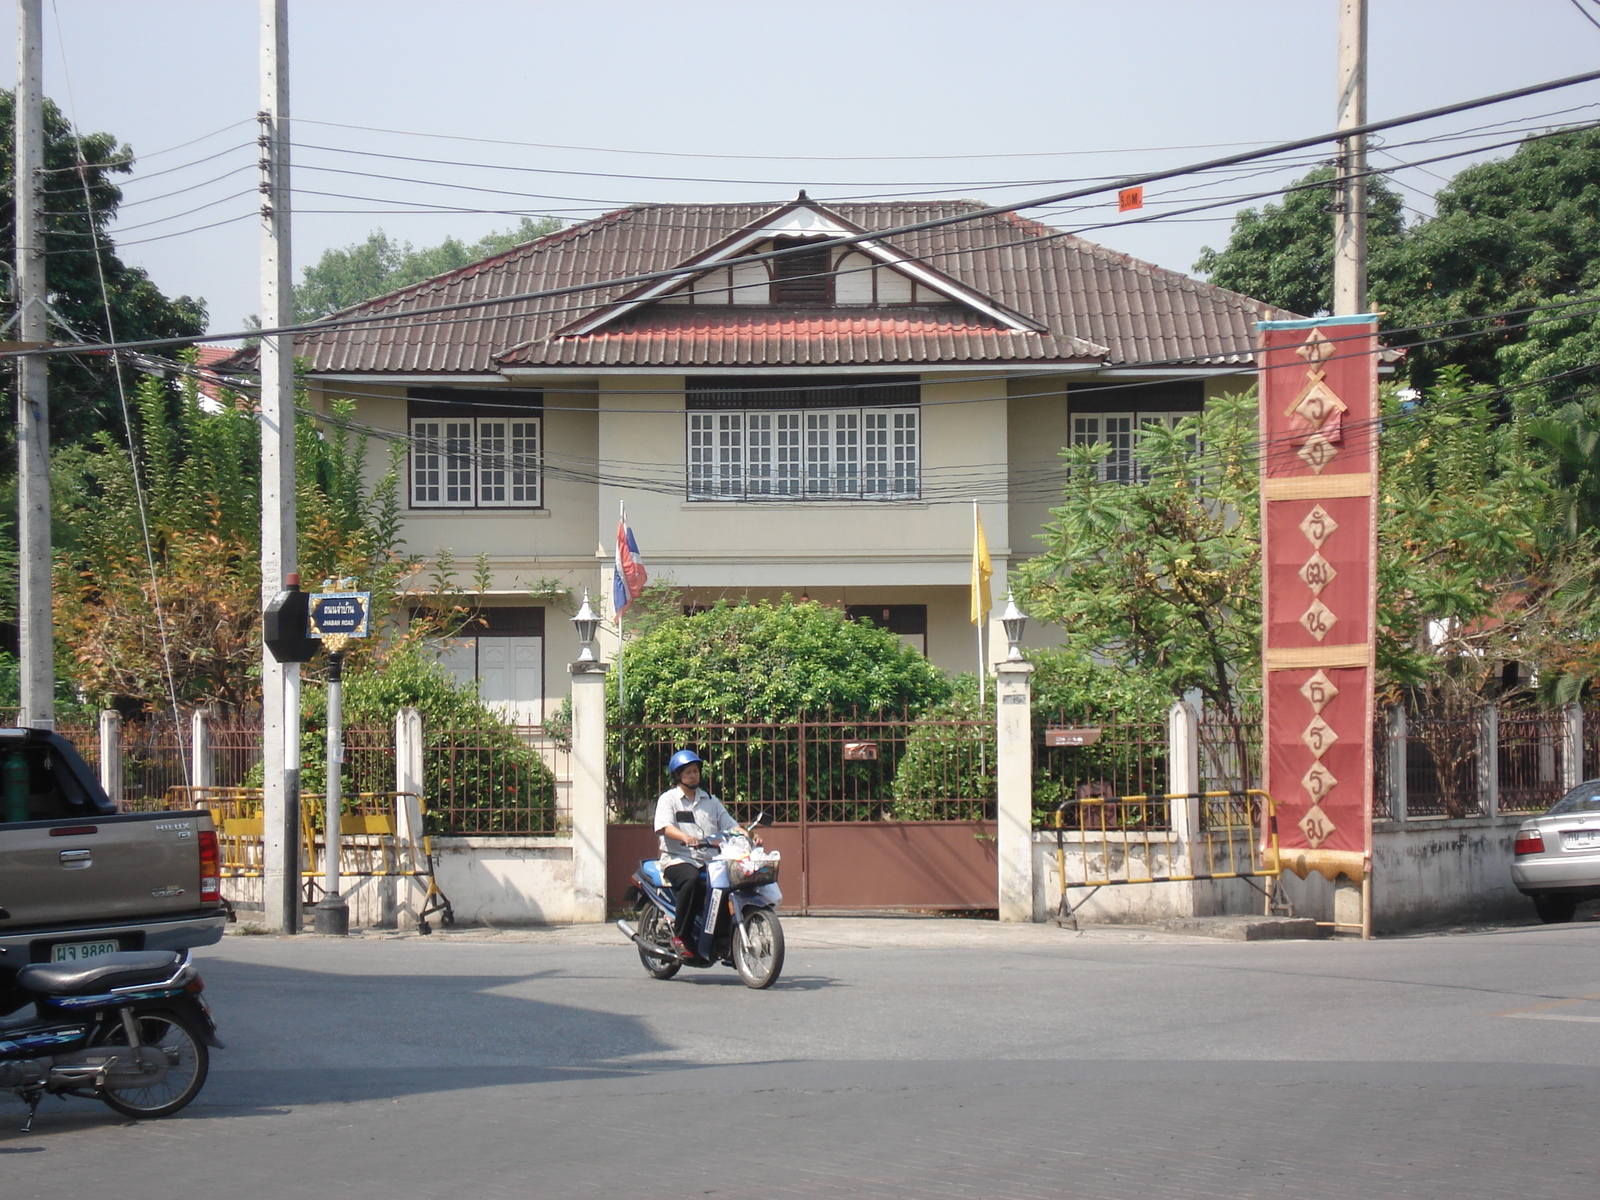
(1130, 839)
(369, 841)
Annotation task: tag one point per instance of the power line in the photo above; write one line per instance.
(895, 231)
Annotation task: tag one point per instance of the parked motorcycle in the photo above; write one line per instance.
(130, 1029)
(738, 927)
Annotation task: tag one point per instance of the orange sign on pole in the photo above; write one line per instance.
(1319, 472)
(1129, 199)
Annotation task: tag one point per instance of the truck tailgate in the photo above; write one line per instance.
(102, 867)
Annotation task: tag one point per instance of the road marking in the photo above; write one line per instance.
(1540, 1012)
(1527, 1016)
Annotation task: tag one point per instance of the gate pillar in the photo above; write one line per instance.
(588, 791)
(1014, 788)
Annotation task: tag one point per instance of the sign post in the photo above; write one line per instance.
(1319, 532)
(335, 618)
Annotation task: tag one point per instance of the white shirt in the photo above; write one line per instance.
(701, 817)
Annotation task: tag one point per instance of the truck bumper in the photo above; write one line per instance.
(19, 947)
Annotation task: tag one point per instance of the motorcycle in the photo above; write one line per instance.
(129, 1029)
(738, 926)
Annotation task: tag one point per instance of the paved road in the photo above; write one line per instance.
(895, 1058)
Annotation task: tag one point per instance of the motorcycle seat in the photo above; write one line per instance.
(124, 969)
(651, 870)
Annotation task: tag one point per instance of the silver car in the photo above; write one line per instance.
(1557, 861)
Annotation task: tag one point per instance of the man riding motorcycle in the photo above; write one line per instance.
(691, 823)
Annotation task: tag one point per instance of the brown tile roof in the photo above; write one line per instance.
(1088, 303)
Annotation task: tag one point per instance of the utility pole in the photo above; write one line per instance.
(280, 682)
(33, 396)
(1350, 220)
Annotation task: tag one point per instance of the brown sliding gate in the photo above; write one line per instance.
(870, 813)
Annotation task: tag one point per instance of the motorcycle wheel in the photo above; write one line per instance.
(657, 930)
(758, 948)
(188, 1060)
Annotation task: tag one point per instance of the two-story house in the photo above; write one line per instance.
(785, 401)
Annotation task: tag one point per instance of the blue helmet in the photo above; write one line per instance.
(680, 760)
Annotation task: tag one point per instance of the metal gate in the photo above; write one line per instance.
(869, 813)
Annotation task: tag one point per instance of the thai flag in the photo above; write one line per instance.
(630, 576)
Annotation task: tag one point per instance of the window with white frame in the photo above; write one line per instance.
(1121, 432)
(758, 440)
(474, 449)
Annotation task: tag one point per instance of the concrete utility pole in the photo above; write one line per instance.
(1350, 221)
(33, 397)
(280, 682)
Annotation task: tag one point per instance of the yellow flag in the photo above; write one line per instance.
(982, 570)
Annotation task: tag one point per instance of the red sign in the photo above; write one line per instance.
(1129, 199)
(1319, 471)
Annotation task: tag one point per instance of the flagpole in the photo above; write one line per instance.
(983, 617)
(622, 741)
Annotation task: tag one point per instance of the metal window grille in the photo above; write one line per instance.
(730, 454)
(758, 465)
(788, 432)
(487, 462)
(844, 453)
(524, 464)
(427, 467)
(819, 459)
(702, 458)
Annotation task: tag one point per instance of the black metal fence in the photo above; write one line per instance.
(1532, 747)
(493, 779)
(855, 768)
(1128, 758)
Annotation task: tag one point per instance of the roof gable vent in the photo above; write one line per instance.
(801, 277)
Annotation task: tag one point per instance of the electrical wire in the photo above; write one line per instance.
(129, 161)
(140, 494)
(904, 229)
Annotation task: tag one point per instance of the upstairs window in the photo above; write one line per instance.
(801, 277)
(762, 440)
(1120, 431)
(472, 448)
(1095, 421)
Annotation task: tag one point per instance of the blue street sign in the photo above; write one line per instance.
(339, 612)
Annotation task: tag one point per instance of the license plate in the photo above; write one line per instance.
(1582, 839)
(69, 952)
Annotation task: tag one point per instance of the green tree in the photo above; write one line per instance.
(763, 663)
(479, 776)
(188, 609)
(362, 270)
(80, 201)
(1162, 578)
(1283, 254)
(1509, 234)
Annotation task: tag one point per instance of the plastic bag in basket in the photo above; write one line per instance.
(754, 869)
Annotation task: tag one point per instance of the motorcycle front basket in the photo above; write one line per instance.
(751, 873)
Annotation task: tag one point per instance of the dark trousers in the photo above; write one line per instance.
(688, 885)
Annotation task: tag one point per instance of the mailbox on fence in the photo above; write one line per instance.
(1086, 736)
(861, 752)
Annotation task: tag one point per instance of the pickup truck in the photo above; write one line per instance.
(79, 879)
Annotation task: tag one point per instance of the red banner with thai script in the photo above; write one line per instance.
(1319, 472)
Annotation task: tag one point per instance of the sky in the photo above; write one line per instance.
(488, 110)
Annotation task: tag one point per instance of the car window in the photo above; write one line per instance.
(36, 786)
(1583, 798)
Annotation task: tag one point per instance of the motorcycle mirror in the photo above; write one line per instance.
(761, 819)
